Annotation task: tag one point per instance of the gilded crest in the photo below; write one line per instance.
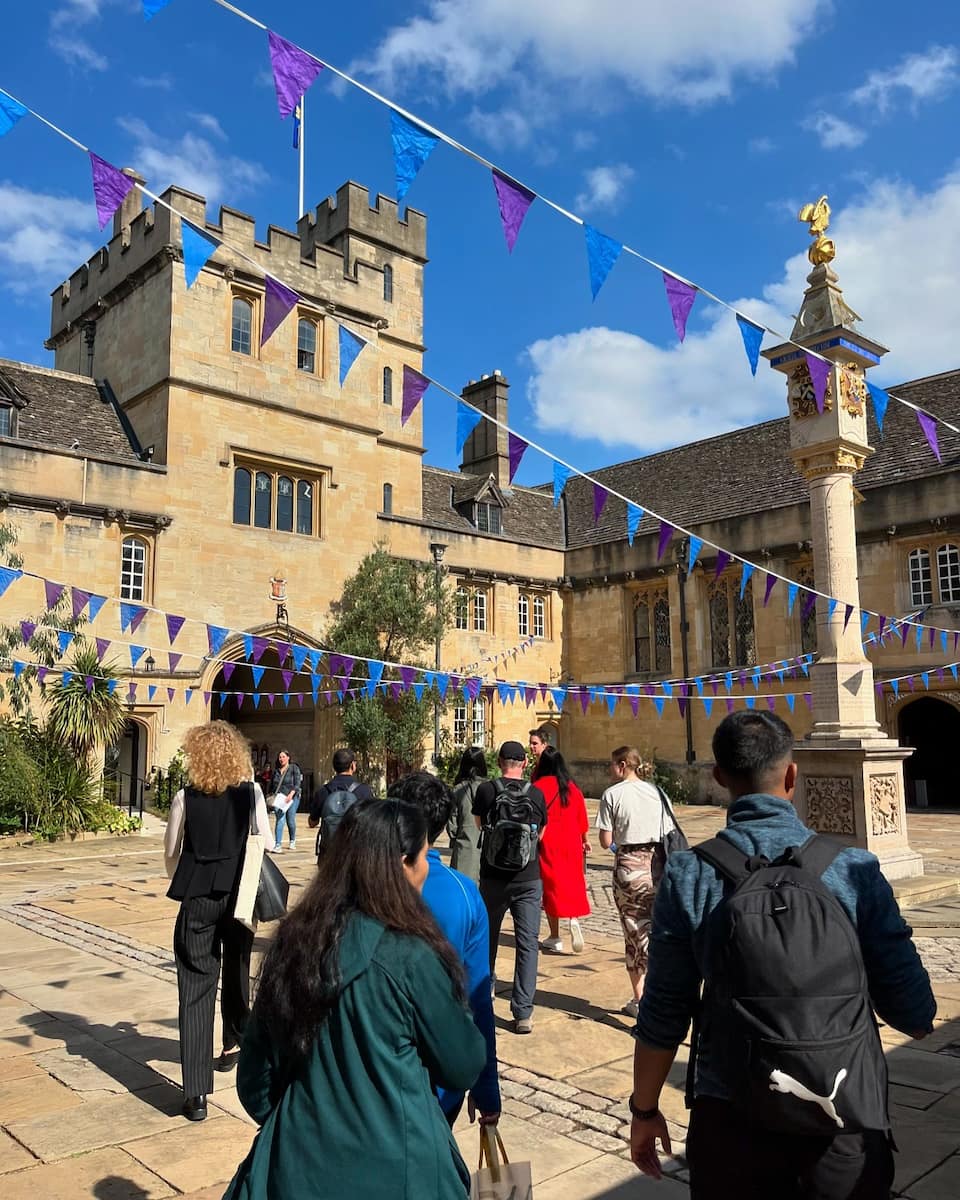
(853, 389)
(803, 400)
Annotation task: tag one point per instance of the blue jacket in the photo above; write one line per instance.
(690, 890)
(455, 902)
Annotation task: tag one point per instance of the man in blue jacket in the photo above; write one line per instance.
(753, 753)
(460, 912)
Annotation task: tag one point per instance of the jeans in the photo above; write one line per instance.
(523, 902)
(728, 1158)
(290, 817)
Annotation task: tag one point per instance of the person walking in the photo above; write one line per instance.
(456, 904)
(462, 830)
(564, 844)
(331, 800)
(539, 740)
(788, 1084)
(511, 815)
(203, 851)
(288, 780)
(632, 818)
(359, 1011)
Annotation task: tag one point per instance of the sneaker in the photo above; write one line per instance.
(274, 849)
(523, 1025)
(552, 945)
(631, 1009)
(576, 936)
(293, 845)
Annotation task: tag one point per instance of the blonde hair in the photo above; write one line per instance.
(631, 758)
(218, 757)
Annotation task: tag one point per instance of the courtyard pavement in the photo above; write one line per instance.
(89, 1065)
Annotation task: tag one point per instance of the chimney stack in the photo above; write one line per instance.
(486, 451)
(131, 207)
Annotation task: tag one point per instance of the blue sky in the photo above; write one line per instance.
(692, 131)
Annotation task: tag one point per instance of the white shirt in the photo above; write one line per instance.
(173, 838)
(632, 811)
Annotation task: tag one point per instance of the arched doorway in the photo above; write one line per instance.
(932, 727)
(125, 767)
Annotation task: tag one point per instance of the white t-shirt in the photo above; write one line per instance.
(632, 811)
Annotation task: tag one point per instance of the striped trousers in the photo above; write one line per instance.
(205, 933)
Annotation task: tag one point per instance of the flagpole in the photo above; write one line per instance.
(300, 210)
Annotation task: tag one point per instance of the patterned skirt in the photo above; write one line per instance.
(637, 871)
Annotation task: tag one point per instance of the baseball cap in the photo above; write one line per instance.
(512, 752)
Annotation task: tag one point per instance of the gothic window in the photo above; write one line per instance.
(461, 608)
(948, 573)
(921, 581)
(285, 504)
(242, 483)
(388, 385)
(133, 569)
(305, 490)
(651, 633)
(746, 646)
(523, 615)
(263, 500)
(718, 601)
(272, 499)
(808, 623)
(488, 518)
(306, 345)
(241, 326)
(539, 617)
(732, 635)
(388, 498)
(388, 284)
(641, 635)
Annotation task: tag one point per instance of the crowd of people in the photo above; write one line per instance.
(373, 1023)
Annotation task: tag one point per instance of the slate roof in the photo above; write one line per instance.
(56, 409)
(747, 471)
(529, 517)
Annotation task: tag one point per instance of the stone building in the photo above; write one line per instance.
(168, 460)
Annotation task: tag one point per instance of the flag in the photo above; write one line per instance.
(467, 420)
(293, 72)
(350, 347)
(152, 7)
(745, 572)
(929, 426)
(279, 301)
(602, 254)
(560, 476)
(412, 146)
(9, 575)
(752, 337)
(296, 125)
(197, 250)
(680, 297)
(880, 401)
(514, 201)
(516, 447)
(694, 547)
(11, 111)
(174, 625)
(634, 517)
(666, 534)
(819, 370)
(110, 187)
(600, 495)
(414, 385)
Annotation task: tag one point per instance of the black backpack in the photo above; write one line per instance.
(334, 807)
(511, 827)
(786, 1019)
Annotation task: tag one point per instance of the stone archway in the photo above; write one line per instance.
(932, 727)
(125, 771)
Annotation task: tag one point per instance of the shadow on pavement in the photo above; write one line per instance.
(115, 1187)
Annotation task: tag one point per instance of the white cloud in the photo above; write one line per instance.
(761, 145)
(690, 53)
(605, 186)
(42, 238)
(926, 76)
(210, 123)
(895, 250)
(192, 162)
(66, 42)
(835, 133)
(161, 83)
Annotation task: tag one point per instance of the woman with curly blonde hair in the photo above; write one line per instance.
(204, 844)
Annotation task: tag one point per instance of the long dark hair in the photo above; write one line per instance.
(473, 765)
(300, 978)
(552, 762)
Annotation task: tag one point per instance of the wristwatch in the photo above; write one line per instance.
(642, 1114)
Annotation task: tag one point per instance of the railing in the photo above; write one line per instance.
(125, 790)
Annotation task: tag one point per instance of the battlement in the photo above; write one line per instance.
(350, 214)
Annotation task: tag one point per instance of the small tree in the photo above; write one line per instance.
(389, 610)
(84, 714)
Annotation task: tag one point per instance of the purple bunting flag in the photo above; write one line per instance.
(293, 72)
(666, 534)
(414, 385)
(80, 601)
(514, 201)
(600, 495)
(771, 583)
(258, 647)
(174, 625)
(516, 447)
(103, 645)
(110, 188)
(723, 561)
(680, 297)
(847, 614)
(27, 630)
(228, 670)
(929, 426)
(52, 592)
(279, 301)
(819, 370)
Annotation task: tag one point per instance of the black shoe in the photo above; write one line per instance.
(195, 1108)
(227, 1060)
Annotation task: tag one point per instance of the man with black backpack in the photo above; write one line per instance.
(511, 815)
(331, 800)
(797, 940)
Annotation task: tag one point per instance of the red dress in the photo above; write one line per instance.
(561, 851)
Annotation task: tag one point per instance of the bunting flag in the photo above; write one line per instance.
(745, 572)
(467, 420)
(9, 575)
(602, 254)
(95, 605)
(929, 426)
(198, 248)
(791, 700)
(680, 297)
(792, 589)
(414, 385)
(831, 609)
(174, 625)
(131, 617)
(350, 347)
(102, 647)
(375, 674)
(187, 695)
(279, 301)
(64, 638)
(752, 337)
(819, 370)
(723, 561)
(216, 636)
(634, 517)
(658, 703)
(110, 187)
(560, 476)
(771, 583)
(52, 592)
(174, 661)
(293, 72)
(152, 7)
(516, 448)
(666, 534)
(809, 604)
(694, 547)
(136, 653)
(600, 495)
(514, 201)
(299, 656)
(79, 602)
(11, 111)
(257, 673)
(847, 614)
(880, 401)
(412, 146)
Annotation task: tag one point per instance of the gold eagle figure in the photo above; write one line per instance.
(817, 216)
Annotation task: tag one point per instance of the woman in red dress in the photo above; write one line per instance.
(562, 848)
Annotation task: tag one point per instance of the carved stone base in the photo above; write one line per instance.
(852, 789)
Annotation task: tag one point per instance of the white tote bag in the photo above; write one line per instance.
(253, 853)
(497, 1178)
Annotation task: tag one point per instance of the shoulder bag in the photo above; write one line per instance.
(263, 889)
(673, 839)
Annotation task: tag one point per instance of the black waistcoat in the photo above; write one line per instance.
(214, 834)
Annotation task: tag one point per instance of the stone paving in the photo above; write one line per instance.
(89, 1065)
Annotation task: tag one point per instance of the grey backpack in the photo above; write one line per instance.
(336, 804)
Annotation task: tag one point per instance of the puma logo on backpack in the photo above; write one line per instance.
(786, 1019)
(510, 828)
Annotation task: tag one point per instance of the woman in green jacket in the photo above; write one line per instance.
(359, 1016)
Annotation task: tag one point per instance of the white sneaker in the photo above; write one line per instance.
(293, 845)
(576, 936)
(274, 849)
(552, 945)
(631, 1008)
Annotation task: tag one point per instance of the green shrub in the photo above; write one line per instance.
(20, 781)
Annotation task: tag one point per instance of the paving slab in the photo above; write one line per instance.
(108, 1174)
(610, 1177)
(568, 1046)
(22, 1099)
(924, 1069)
(195, 1155)
(87, 1065)
(13, 1156)
(942, 1183)
(924, 1143)
(33, 1038)
(550, 1154)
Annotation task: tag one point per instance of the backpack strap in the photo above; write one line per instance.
(732, 863)
(353, 787)
(817, 853)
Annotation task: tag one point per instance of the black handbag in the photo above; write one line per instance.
(673, 839)
(272, 892)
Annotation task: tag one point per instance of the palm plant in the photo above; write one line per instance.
(86, 713)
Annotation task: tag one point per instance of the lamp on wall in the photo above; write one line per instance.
(149, 664)
(278, 594)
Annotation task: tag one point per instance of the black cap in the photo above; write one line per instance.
(512, 752)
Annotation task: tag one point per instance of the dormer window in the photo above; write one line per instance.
(6, 420)
(488, 517)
